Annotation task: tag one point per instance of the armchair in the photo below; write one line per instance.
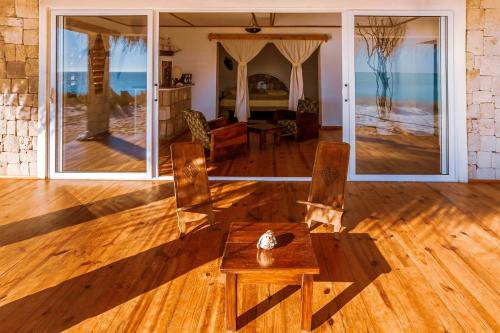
(303, 123)
(218, 136)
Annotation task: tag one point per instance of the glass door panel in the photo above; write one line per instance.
(400, 95)
(101, 80)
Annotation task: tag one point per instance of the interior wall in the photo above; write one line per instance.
(270, 61)
(198, 56)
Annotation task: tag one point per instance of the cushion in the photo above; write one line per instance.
(308, 105)
(288, 127)
(198, 126)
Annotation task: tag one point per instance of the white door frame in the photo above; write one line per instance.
(456, 53)
(349, 121)
(52, 105)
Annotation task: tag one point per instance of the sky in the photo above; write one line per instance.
(122, 59)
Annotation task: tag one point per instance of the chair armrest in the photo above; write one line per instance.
(216, 123)
(318, 205)
(228, 140)
(233, 128)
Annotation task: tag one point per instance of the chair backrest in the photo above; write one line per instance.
(190, 174)
(329, 174)
(198, 126)
(308, 105)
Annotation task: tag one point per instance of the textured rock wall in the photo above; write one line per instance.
(483, 88)
(18, 87)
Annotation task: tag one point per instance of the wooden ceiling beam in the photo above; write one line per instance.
(255, 19)
(323, 37)
(272, 19)
(182, 19)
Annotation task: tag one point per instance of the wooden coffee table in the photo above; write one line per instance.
(263, 130)
(291, 262)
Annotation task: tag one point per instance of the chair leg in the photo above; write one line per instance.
(181, 225)
(337, 224)
(211, 220)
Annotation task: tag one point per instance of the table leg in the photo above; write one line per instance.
(277, 137)
(307, 290)
(231, 302)
(262, 139)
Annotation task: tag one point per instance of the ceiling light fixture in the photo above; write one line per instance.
(253, 28)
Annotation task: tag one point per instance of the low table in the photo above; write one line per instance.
(263, 130)
(292, 261)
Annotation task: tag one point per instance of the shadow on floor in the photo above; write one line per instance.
(88, 295)
(355, 258)
(43, 224)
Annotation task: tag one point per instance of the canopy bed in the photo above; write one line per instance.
(266, 93)
(244, 47)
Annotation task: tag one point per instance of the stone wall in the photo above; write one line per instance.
(483, 88)
(18, 87)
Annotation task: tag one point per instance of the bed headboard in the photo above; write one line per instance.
(262, 82)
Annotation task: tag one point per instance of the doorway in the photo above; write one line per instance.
(101, 106)
(397, 96)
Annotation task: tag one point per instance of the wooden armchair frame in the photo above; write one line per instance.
(192, 190)
(226, 139)
(222, 138)
(325, 203)
(307, 123)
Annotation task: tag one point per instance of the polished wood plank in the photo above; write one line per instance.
(392, 154)
(231, 301)
(99, 256)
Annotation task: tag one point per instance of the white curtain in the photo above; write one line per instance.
(296, 51)
(242, 51)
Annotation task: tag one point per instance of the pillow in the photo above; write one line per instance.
(276, 92)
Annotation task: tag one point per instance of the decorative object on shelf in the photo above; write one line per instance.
(177, 75)
(166, 74)
(267, 241)
(187, 78)
(166, 47)
(253, 27)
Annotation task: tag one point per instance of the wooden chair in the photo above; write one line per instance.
(325, 203)
(192, 190)
(218, 136)
(303, 123)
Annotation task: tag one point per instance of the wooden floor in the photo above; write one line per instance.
(375, 154)
(104, 257)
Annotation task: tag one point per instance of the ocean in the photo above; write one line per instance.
(408, 87)
(132, 82)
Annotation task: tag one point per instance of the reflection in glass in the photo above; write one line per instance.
(101, 91)
(400, 93)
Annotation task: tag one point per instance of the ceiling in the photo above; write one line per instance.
(131, 24)
(244, 19)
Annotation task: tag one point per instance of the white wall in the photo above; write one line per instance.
(199, 57)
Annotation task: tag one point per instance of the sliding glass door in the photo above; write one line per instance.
(398, 97)
(101, 105)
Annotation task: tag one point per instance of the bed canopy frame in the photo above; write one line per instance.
(296, 48)
(321, 37)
